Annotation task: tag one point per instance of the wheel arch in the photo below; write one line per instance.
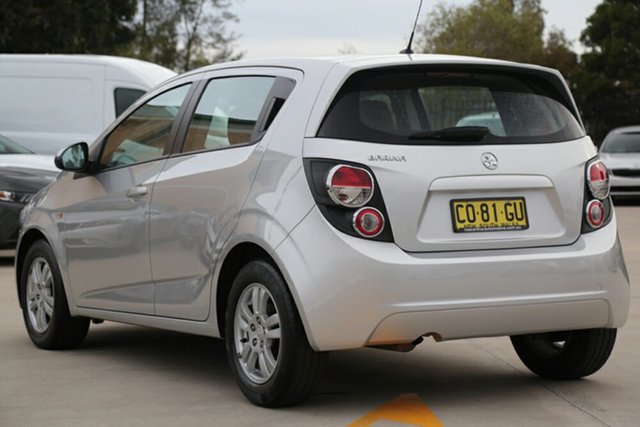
(241, 254)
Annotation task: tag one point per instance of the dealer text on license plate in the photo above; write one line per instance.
(489, 215)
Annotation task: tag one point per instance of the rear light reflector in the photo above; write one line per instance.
(598, 180)
(595, 213)
(349, 186)
(368, 222)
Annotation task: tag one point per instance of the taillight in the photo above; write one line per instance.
(598, 180)
(597, 204)
(368, 222)
(349, 198)
(595, 213)
(349, 186)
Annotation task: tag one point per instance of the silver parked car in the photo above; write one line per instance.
(300, 206)
(620, 152)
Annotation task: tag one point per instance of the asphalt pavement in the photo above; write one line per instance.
(132, 376)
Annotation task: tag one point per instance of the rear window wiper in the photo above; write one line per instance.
(455, 134)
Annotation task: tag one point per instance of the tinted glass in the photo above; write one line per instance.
(397, 106)
(145, 133)
(622, 143)
(124, 97)
(227, 112)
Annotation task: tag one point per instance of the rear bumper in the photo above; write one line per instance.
(353, 293)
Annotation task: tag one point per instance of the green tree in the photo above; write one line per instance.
(608, 84)
(66, 26)
(185, 34)
(503, 29)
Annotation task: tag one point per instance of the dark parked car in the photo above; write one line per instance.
(22, 174)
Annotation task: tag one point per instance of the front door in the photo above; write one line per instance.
(104, 224)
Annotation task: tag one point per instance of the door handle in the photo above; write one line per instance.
(137, 191)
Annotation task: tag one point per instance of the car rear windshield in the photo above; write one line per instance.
(622, 143)
(426, 106)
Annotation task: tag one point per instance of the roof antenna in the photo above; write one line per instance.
(408, 50)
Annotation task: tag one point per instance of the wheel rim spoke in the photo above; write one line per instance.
(270, 361)
(273, 320)
(273, 334)
(33, 277)
(263, 300)
(46, 275)
(243, 324)
(41, 319)
(262, 363)
(48, 308)
(30, 292)
(245, 312)
(251, 362)
(245, 353)
(48, 299)
(255, 300)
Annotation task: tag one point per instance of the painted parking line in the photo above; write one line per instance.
(406, 409)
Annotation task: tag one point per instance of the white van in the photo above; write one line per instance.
(50, 101)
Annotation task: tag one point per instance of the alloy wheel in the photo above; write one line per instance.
(40, 295)
(257, 333)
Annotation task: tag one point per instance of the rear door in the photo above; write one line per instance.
(465, 158)
(198, 196)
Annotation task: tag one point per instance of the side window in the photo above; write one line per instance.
(227, 112)
(144, 134)
(123, 97)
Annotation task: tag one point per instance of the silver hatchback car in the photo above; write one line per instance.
(295, 207)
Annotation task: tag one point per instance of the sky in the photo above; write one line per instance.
(270, 28)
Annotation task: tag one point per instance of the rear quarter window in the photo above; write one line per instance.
(400, 105)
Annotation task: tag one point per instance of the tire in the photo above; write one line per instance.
(273, 372)
(44, 302)
(565, 355)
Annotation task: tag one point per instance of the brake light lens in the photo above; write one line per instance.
(595, 214)
(368, 222)
(349, 186)
(598, 180)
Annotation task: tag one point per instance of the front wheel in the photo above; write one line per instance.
(565, 355)
(44, 302)
(267, 348)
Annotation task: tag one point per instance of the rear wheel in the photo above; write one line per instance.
(267, 348)
(44, 302)
(565, 355)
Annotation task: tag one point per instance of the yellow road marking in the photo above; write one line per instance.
(406, 409)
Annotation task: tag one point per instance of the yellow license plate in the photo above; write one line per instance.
(489, 215)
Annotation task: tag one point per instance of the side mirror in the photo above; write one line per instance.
(73, 158)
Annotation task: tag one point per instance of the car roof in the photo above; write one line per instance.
(626, 129)
(366, 61)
